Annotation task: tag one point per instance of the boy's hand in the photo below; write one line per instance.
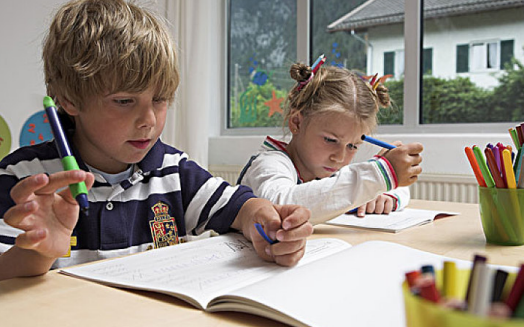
(46, 216)
(383, 204)
(288, 224)
(405, 160)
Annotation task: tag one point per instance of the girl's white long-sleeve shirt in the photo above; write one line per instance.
(272, 175)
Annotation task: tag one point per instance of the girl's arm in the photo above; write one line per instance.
(273, 176)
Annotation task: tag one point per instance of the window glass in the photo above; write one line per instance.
(262, 46)
(476, 64)
(340, 47)
(357, 40)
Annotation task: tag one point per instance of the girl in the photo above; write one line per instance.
(328, 111)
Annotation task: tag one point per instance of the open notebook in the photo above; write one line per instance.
(393, 222)
(334, 284)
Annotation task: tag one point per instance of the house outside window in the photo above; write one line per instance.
(465, 51)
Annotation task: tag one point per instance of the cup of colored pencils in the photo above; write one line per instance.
(449, 297)
(499, 171)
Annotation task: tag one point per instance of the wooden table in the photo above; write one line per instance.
(59, 300)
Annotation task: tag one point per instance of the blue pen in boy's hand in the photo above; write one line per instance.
(260, 230)
(78, 190)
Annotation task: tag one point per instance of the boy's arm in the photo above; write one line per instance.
(18, 262)
(47, 219)
(288, 224)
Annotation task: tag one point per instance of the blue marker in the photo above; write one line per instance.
(78, 190)
(377, 142)
(260, 230)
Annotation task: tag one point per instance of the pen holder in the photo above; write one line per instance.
(502, 215)
(423, 313)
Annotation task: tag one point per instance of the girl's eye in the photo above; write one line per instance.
(352, 146)
(330, 140)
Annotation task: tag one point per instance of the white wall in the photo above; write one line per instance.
(22, 27)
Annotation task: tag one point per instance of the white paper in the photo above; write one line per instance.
(393, 222)
(201, 270)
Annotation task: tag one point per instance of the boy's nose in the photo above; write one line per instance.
(147, 117)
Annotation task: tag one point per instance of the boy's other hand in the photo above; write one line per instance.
(47, 216)
(288, 224)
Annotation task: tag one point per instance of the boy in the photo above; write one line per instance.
(111, 68)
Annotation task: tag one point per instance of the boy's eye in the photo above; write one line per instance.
(159, 99)
(329, 140)
(123, 101)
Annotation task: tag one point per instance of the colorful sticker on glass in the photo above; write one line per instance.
(36, 130)
(5, 138)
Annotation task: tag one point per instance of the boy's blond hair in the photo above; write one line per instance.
(99, 47)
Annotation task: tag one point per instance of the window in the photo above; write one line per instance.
(427, 61)
(462, 58)
(262, 44)
(482, 56)
(343, 49)
(471, 57)
(394, 63)
(389, 63)
(480, 86)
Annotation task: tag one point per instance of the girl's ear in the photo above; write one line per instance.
(68, 106)
(295, 121)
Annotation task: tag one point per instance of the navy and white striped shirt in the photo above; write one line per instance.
(167, 199)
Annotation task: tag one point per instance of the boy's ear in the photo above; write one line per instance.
(68, 106)
(295, 121)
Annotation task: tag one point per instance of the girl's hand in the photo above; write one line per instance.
(406, 160)
(383, 204)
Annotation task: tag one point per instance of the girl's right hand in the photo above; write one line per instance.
(406, 160)
(46, 216)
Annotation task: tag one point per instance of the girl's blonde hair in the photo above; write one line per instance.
(98, 47)
(335, 89)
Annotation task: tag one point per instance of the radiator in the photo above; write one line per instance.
(228, 172)
(436, 187)
(445, 187)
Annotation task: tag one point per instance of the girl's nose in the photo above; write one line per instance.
(338, 156)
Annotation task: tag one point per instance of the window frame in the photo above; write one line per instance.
(413, 47)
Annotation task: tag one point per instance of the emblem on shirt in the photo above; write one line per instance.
(163, 226)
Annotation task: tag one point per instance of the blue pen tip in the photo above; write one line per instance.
(85, 211)
(84, 204)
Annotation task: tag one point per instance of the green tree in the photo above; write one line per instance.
(507, 102)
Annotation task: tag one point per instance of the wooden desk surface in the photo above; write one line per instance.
(59, 300)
